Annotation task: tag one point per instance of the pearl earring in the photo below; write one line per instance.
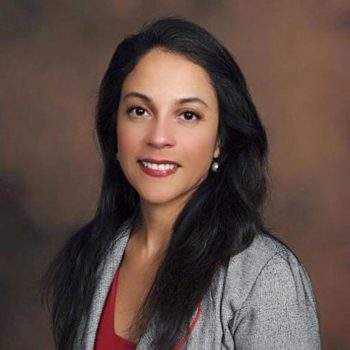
(116, 156)
(215, 166)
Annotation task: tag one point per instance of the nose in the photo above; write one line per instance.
(160, 134)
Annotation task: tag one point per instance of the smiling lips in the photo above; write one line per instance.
(158, 168)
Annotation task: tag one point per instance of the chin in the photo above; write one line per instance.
(157, 200)
(161, 198)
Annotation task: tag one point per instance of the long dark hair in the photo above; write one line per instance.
(220, 219)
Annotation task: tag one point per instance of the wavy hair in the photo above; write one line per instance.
(220, 219)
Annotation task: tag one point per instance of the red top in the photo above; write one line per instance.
(106, 338)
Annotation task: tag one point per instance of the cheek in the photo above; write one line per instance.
(124, 142)
(126, 137)
(200, 150)
(126, 148)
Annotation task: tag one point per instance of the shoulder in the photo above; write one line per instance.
(269, 299)
(267, 266)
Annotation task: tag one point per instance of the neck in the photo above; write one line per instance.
(154, 228)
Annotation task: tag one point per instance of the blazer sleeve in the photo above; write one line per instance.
(280, 311)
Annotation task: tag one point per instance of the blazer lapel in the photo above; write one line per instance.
(108, 270)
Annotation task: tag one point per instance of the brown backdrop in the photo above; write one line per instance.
(295, 56)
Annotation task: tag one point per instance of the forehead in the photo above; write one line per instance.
(163, 73)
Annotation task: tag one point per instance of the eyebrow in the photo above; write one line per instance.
(179, 101)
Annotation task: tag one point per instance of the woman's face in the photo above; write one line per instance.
(168, 113)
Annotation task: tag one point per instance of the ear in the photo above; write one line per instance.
(217, 148)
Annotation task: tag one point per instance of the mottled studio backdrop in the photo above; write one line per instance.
(296, 57)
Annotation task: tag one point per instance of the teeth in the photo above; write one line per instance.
(154, 166)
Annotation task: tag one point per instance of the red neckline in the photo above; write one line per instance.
(129, 343)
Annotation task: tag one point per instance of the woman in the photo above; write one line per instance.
(177, 255)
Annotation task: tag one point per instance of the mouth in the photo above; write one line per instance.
(158, 168)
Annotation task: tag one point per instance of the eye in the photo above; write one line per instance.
(138, 111)
(189, 116)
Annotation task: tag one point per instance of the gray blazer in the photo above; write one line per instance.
(263, 301)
